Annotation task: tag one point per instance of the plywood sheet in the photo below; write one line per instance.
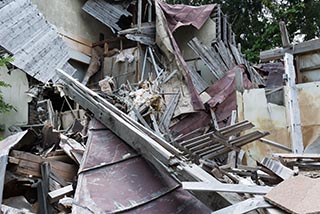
(296, 195)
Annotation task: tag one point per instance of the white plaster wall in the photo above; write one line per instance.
(16, 96)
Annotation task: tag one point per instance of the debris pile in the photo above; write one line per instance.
(164, 120)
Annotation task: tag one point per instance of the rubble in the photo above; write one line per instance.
(169, 117)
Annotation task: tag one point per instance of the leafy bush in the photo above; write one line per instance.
(4, 107)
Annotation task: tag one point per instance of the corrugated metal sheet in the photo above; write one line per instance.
(107, 13)
(36, 47)
(115, 179)
(4, 3)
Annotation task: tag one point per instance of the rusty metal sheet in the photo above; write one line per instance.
(182, 15)
(114, 179)
(223, 96)
(192, 122)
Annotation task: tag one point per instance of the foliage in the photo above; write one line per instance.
(256, 23)
(5, 60)
(4, 107)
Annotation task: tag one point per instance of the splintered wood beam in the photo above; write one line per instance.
(292, 105)
(221, 187)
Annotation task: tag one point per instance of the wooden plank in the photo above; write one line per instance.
(244, 206)
(221, 187)
(45, 172)
(29, 164)
(292, 105)
(68, 145)
(139, 15)
(167, 115)
(299, 194)
(199, 83)
(205, 54)
(296, 156)
(55, 195)
(298, 49)
(284, 34)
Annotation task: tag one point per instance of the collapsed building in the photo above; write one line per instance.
(160, 114)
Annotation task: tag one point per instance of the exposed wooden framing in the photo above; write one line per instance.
(199, 83)
(298, 49)
(224, 29)
(292, 105)
(236, 54)
(155, 125)
(144, 65)
(160, 153)
(221, 187)
(140, 118)
(232, 156)
(225, 54)
(219, 23)
(155, 66)
(230, 40)
(284, 34)
(205, 54)
(167, 115)
(244, 206)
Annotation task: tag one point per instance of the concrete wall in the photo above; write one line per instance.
(70, 19)
(253, 106)
(16, 96)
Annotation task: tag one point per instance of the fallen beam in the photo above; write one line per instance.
(299, 49)
(244, 206)
(220, 187)
(161, 154)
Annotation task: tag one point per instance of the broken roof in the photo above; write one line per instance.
(107, 13)
(182, 15)
(35, 45)
(131, 184)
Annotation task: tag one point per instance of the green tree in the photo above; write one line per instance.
(256, 23)
(4, 107)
